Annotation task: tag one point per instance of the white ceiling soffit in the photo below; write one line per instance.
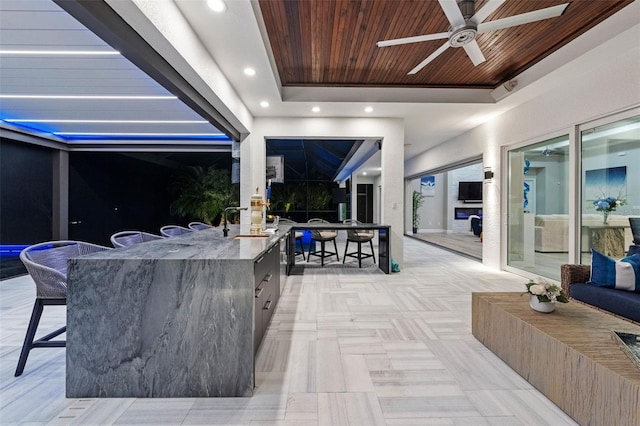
(92, 96)
(366, 151)
(386, 94)
(235, 41)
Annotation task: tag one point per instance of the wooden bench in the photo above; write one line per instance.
(568, 355)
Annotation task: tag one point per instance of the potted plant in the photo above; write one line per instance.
(543, 295)
(418, 201)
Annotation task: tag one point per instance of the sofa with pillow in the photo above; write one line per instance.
(607, 284)
(552, 230)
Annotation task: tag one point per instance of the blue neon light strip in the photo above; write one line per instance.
(52, 131)
(11, 250)
(222, 138)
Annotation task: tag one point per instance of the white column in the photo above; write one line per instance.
(253, 165)
(392, 180)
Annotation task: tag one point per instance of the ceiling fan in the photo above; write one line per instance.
(548, 152)
(466, 24)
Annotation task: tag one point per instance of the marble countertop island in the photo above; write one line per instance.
(165, 318)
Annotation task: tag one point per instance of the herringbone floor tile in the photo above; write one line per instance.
(346, 346)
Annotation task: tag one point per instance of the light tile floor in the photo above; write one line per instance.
(345, 347)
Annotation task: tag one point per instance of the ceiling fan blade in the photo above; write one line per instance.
(488, 8)
(452, 11)
(415, 39)
(474, 53)
(524, 18)
(430, 58)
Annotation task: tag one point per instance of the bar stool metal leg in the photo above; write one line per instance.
(43, 342)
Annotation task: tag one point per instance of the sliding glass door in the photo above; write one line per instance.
(538, 207)
(610, 176)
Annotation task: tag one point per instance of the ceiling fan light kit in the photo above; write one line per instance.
(466, 24)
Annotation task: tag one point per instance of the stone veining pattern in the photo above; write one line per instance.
(167, 318)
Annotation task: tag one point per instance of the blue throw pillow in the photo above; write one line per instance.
(623, 274)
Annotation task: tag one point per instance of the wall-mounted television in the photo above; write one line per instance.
(470, 191)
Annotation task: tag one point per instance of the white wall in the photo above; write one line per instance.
(433, 211)
(438, 212)
(472, 173)
(551, 178)
(603, 81)
(390, 131)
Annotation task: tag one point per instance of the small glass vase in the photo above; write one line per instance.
(605, 220)
(544, 307)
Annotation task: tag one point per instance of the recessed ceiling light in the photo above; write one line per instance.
(264, 104)
(368, 109)
(249, 71)
(315, 109)
(364, 173)
(108, 97)
(217, 5)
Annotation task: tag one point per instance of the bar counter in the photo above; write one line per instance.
(169, 318)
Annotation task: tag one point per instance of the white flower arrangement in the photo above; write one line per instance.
(546, 291)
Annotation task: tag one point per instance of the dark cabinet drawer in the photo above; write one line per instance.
(262, 295)
(267, 292)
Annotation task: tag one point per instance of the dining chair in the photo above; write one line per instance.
(174, 230)
(358, 236)
(129, 238)
(322, 236)
(47, 265)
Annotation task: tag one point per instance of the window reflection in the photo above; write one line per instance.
(610, 178)
(538, 207)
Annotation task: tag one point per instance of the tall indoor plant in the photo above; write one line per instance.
(418, 201)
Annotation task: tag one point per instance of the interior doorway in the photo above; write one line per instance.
(448, 207)
(365, 202)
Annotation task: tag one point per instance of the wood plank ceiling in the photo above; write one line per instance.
(333, 42)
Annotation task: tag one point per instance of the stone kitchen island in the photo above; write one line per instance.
(178, 317)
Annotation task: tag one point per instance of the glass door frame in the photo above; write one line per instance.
(504, 195)
(577, 204)
(575, 183)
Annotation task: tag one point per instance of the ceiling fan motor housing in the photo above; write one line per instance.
(462, 34)
(467, 8)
